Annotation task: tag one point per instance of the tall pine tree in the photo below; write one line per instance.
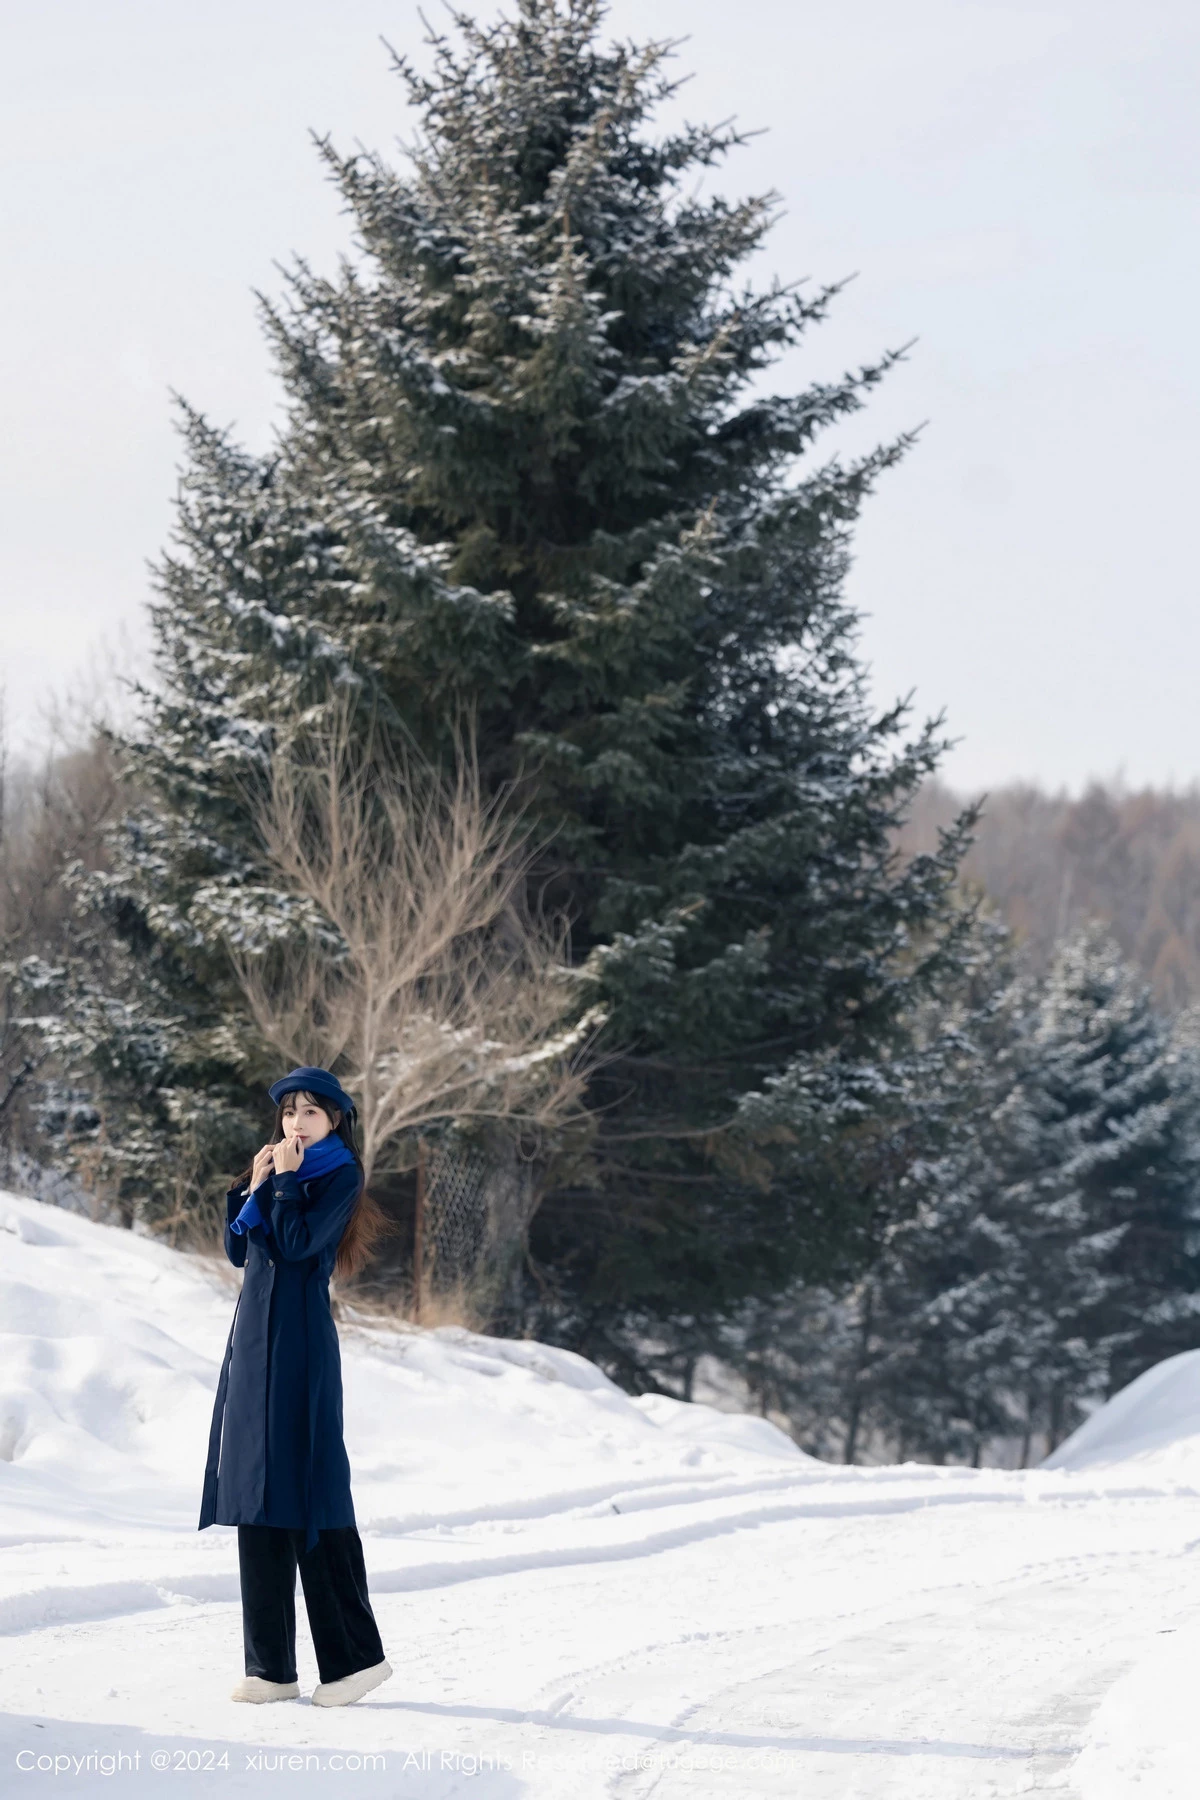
(529, 468)
(1119, 1093)
(1053, 1254)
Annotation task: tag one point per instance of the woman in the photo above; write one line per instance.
(277, 1465)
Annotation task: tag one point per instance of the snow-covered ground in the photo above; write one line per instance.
(582, 1595)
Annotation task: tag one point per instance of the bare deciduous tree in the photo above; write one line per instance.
(421, 975)
(53, 814)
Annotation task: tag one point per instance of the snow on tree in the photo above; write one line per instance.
(1052, 1254)
(529, 470)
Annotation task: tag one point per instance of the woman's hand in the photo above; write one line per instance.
(262, 1166)
(288, 1155)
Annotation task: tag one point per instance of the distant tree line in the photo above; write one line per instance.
(1049, 864)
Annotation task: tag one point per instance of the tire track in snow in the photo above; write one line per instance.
(1008, 1681)
(48, 1605)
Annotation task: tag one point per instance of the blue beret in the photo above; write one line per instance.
(313, 1081)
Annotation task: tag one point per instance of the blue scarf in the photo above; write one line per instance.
(318, 1159)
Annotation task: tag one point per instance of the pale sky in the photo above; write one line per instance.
(1014, 184)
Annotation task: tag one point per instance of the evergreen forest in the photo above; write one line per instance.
(509, 750)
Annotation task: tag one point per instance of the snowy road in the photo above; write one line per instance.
(581, 1597)
(878, 1634)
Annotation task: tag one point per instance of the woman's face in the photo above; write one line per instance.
(304, 1119)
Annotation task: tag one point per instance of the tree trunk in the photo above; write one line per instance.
(1054, 1431)
(419, 1235)
(510, 1200)
(854, 1416)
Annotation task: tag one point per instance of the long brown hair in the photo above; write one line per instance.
(368, 1222)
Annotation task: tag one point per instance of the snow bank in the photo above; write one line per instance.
(566, 1575)
(1153, 1425)
(1143, 1743)
(109, 1355)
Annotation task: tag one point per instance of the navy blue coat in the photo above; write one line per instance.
(276, 1454)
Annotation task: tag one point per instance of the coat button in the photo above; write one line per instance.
(270, 1262)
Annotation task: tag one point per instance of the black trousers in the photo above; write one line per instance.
(334, 1577)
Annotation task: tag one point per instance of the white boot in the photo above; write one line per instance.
(257, 1687)
(350, 1687)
